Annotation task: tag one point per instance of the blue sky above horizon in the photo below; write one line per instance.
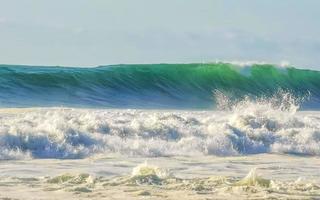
(101, 32)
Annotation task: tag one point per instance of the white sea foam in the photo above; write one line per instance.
(248, 127)
(282, 63)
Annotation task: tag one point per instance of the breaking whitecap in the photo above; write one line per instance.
(248, 127)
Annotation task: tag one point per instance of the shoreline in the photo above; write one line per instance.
(184, 177)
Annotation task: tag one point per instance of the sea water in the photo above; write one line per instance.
(206, 131)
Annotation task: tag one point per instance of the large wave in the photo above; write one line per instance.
(249, 127)
(187, 86)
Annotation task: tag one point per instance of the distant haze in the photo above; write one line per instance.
(100, 32)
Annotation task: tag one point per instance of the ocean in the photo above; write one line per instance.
(175, 131)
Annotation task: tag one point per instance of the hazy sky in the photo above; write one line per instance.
(99, 32)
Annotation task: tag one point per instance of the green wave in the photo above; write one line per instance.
(152, 85)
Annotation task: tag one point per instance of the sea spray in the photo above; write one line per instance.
(281, 100)
(253, 179)
(250, 126)
(148, 174)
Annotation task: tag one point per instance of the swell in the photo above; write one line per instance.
(151, 86)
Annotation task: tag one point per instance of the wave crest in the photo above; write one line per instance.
(151, 86)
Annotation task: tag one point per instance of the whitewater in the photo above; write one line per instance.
(193, 131)
(66, 133)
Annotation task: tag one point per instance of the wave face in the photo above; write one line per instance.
(181, 86)
(251, 127)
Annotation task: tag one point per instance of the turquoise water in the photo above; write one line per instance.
(176, 86)
(243, 110)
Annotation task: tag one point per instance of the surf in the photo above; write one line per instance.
(153, 86)
(247, 127)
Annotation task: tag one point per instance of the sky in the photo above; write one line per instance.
(101, 32)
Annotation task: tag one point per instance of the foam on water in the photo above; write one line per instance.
(253, 179)
(149, 180)
(246, 127)
(156, 182)
(146, 170)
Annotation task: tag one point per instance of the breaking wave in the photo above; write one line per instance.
(265, 125)
(182, 86)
